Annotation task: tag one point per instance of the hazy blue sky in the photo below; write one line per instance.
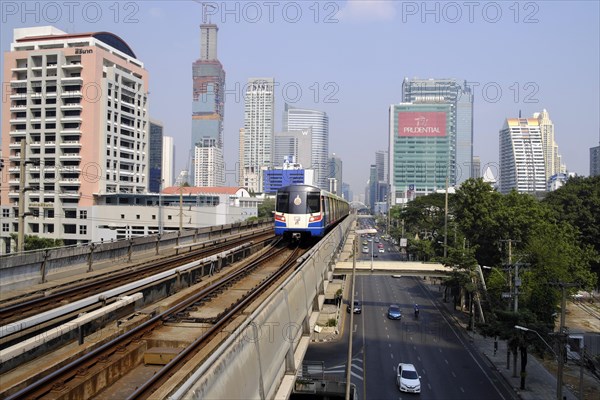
(349, 59)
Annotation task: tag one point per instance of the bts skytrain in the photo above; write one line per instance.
(304, 210)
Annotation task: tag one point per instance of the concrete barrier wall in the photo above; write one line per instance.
(34, 267)
(252, 362)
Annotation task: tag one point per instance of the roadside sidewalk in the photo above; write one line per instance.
(540, 384)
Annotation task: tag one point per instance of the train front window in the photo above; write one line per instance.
(313, 202)
(283, 202)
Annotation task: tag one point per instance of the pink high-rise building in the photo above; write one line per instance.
(80, 102)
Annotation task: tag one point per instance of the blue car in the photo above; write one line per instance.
(394, 312)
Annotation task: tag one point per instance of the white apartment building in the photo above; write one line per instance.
(168, 162)
(209, 168)
(522, 164)
(259, 110)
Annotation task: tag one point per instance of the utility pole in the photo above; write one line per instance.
(446, 220)
(160, 216)
(561, 337)
(351, 305)
(22, 182)
(180, 209)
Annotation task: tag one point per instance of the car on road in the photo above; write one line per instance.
(365, 250)
(408, 379)
(357, 309)
(394, 312)
(381, 250)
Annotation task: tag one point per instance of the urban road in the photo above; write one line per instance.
(450, 368)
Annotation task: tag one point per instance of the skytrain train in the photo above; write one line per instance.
(304, 210)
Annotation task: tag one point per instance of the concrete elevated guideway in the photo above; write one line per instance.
(404, 268)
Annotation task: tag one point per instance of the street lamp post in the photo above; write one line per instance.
(372, 254)
(351, 305)
(559, 372)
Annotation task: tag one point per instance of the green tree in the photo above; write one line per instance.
(33, 242)
(266, 208)
(578, 202)
(476, 211)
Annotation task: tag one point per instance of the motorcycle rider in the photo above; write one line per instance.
(416, 311)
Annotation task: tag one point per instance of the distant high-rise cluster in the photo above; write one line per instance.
(208, 111)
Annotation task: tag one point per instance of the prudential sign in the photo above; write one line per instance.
(422, 124)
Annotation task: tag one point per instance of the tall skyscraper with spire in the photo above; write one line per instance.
(208, 111)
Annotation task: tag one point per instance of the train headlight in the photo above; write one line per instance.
(280, 217)
(315, 218)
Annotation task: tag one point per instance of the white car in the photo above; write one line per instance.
(381, 250)
(407, 378)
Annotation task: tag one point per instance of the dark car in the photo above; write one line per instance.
(357, 307)
(394, 312)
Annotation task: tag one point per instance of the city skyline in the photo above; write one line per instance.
(329, 69)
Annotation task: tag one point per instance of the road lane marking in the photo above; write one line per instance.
(446, 361)
(462, 390)
(453, 374)
(391, 355)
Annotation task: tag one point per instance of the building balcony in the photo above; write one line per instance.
(18, 133)
(18, 82)
(72, 66)
(69, 194)
(70, 143)
(19, 107)
(19, 69)
(15, 145)
(69, 181)
(18, 96)
(72, 106)
(70, 131)
(127, 150)
(14, 182)
(72, 93)
(20, 120)
(70, 156)
(69, 168)
(13, 193)
(71, 79)
(71, 118)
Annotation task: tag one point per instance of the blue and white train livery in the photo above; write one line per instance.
(304, 210)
